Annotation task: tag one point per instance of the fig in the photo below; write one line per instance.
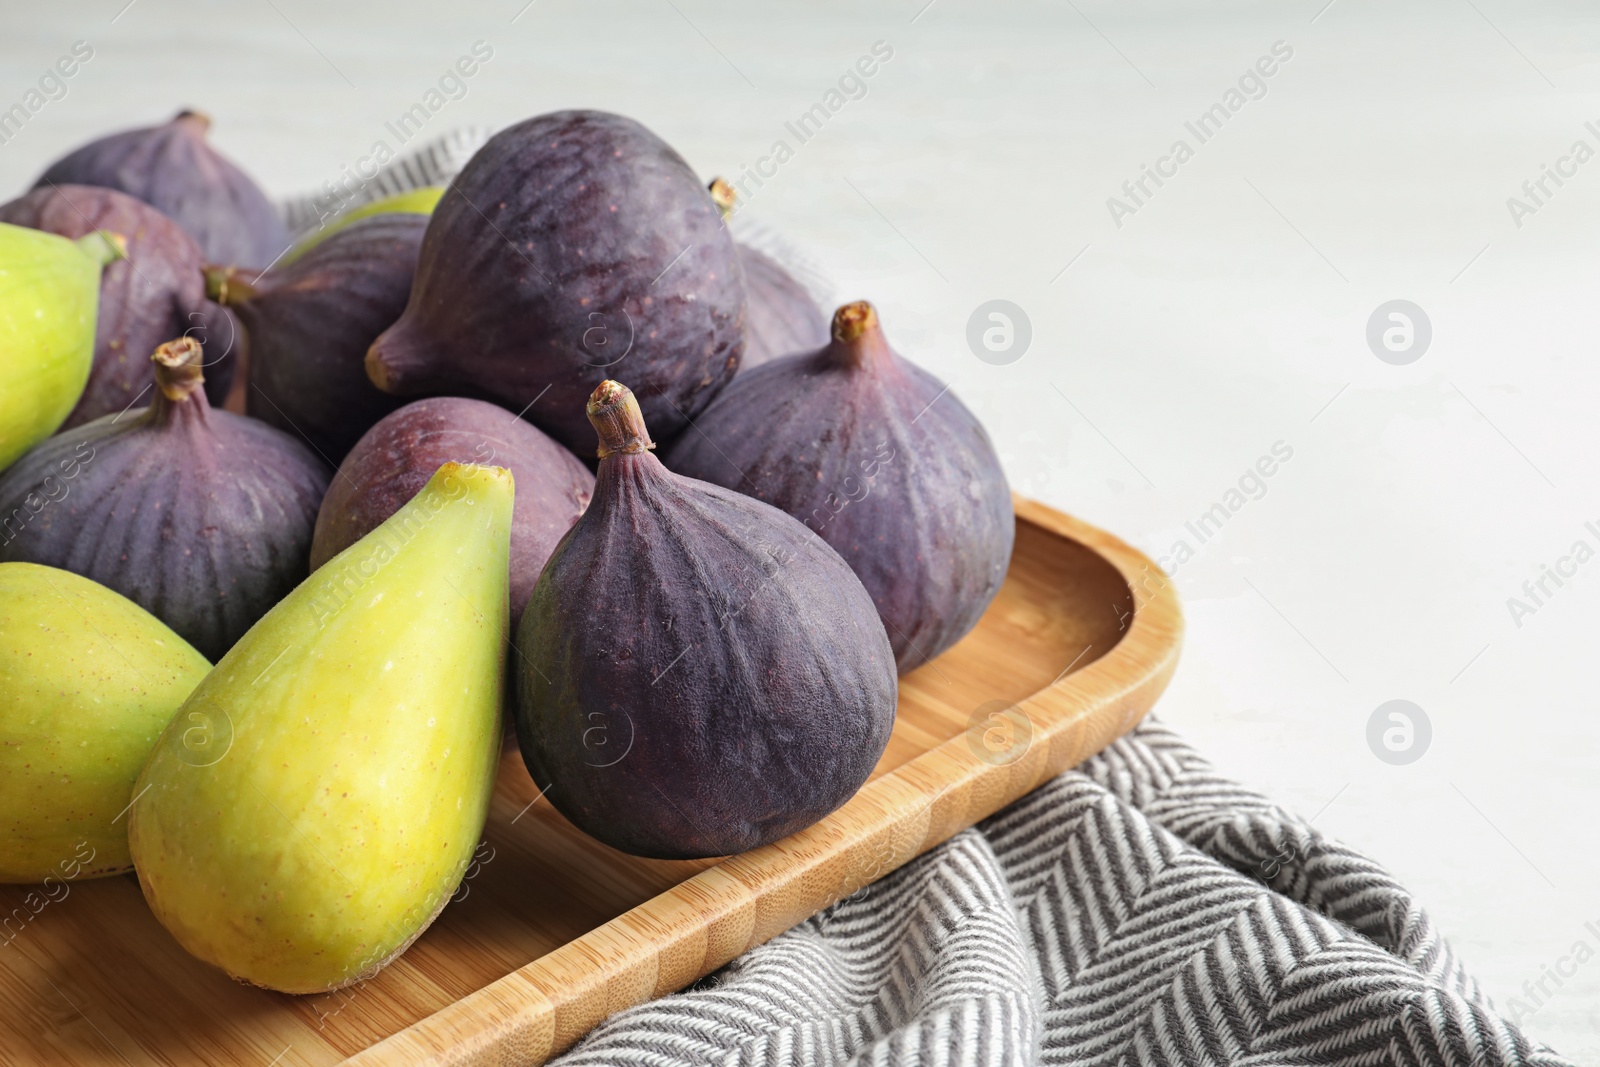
(698, 674)
(49, 300)
(317, 799)
(780, 315)
(156, 292)
(397, 457)
(173, 169)
(882, 461)
(88, 680)
(201, 517)
(571, 243)
(411, 202)
(308, 325)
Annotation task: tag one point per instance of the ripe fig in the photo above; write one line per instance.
(351, 740)
(49, 296)
(698, 673)
(91, 679)
(173, 169)
(572, 242)
(879, 458)
(780, 315)
(201, 517)
(308, 326)
(397, 457)
(155, 293)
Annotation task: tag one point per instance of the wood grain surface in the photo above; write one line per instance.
(552, 931)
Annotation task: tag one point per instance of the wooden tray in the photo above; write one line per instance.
(552, 931)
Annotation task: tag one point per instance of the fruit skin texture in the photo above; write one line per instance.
(201, 517)
(218, 329)
(780, 318)
(153, 295)
(173, 169)
(88, 680)
(49, 293)
(698, 674)
(398, 456)
(362, 729)
(876, 456)
(308, 326)
(572, 245)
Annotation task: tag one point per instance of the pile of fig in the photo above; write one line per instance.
(288, 535)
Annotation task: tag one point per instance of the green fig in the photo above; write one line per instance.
(88, 680)
(349, 752)
(49, 299)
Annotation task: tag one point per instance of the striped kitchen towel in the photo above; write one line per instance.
(1140, 909)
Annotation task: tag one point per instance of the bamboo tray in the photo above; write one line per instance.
(552, 931)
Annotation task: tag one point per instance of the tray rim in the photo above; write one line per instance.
(684, 933)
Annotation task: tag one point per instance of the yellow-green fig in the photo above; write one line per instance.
(49, 298)
(88, 680)
(318, 798)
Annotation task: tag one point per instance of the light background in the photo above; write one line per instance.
(1228, 314)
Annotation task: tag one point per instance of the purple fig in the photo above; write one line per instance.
(395, 459)
(780, 315)
(879, 458)
(172, 168)
(698, 673)
(309, 323)
(156, 293)
(573, 245)
(201, 517)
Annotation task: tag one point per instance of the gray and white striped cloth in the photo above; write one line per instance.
(1139, 909)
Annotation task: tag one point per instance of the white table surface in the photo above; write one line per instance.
(1222, 317)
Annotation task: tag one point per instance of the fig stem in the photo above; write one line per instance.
(723, 196)
(226, 286)
(103, 246)
(194, 118)
(614, 412)
(858, 340)
(178, 369)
